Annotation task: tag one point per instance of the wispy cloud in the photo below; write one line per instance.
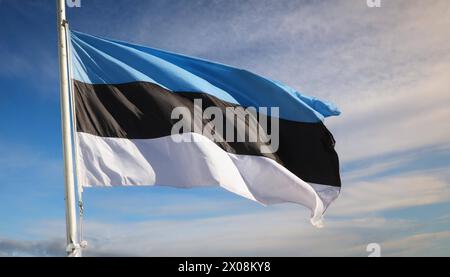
(422, 244)
(391, 193)
(279, 232)
(409, 116)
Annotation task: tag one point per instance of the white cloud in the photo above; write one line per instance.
(422, 244)
(278, 232)
(401, 118)
(390, 193)
(10, 247)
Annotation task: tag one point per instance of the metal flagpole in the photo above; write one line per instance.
(73, 248)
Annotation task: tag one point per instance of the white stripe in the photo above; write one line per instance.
(162, 161)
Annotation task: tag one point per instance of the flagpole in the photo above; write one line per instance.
(73, 248)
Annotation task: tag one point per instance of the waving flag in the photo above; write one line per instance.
(128, 99)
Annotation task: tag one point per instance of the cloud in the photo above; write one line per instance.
(408, 117)
(422, 244)
(13, 248)
(391, 193)
(355, 220)
(278, 232)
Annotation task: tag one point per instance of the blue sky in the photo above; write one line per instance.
(386, 68)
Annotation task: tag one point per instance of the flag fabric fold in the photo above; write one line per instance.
(125, 96)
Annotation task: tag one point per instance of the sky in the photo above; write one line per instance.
(386, 68)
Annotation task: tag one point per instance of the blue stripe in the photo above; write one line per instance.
(102, 61)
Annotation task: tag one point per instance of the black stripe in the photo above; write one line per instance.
(142, 110)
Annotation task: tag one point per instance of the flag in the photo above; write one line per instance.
(150, 117)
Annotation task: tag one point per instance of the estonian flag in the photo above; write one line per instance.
(125, 96)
